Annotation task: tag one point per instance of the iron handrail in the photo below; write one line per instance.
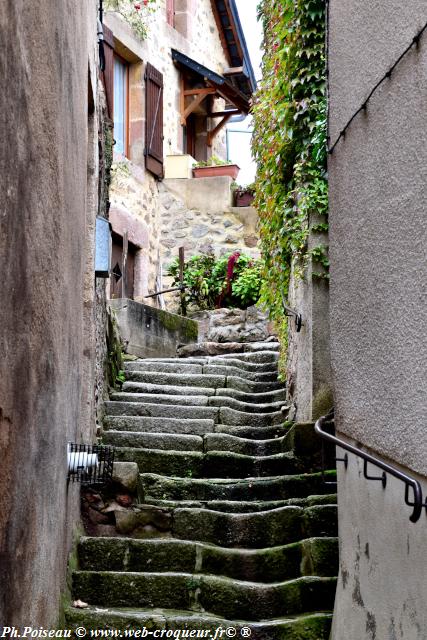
(417, 503)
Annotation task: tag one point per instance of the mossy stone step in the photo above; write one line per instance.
(255, 530)
(132, 408)
(246, 446)
(238, 506)
(159, 441)
(213, 464)
(217, 414)
(252, 489)
(315, 556)
(167, 389)
(160, 366)
(159, 425)
(221, 596)
(179, 379)
(252, 398)
(306, 627)
(252, 433)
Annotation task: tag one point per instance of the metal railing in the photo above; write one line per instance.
(417, 502)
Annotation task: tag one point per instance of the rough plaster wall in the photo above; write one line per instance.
(378, 243)
(43, 164)
(378, 314)
(383, 575)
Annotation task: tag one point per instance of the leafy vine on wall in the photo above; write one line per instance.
(289, 144)
(134, 13)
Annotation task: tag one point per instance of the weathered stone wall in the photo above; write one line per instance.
(48, 164)
(378, 308)
(233, 325)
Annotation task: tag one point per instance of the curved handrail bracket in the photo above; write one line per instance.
(417, 503)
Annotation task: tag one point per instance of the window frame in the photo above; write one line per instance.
(126, 65)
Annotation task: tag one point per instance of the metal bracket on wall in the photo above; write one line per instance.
(417, 503)
(292, 312)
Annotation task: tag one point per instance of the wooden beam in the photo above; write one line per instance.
(232, 71)
(219, 126)
(192, 107)
(221, 114)
(196, 92)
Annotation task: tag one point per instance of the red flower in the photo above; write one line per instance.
(145, 2)
(137, 6)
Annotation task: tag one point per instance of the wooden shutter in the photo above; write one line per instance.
(170, 12)
(154, 121)
(109, 69)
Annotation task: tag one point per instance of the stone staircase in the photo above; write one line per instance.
(234, 527)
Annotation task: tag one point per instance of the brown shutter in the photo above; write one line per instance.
(154, 121)
(170, 12)
(109, 69)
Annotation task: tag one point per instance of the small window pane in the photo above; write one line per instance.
(120, 99)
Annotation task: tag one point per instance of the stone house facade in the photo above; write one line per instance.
(192, 65)
(378, 314)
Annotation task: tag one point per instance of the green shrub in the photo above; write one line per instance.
(234, 280)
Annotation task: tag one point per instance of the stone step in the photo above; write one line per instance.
(159, 425)
(159, 366)
(160, 398)
(180, 390)
(217, 414)
(235, 361)
(247, 490)
(225, 370)
(270, 375)
(238, 506)
(176, 379)
(313, 556)
(198, 401)
(160, 441)
(221, 596)
(214, 464)
(209, 442)
(256, 530)
(249, 407)
(176, 390)
(254, 433)
(263, 355)
(248, 386)
(122, 408)
(314, 626)
(230, 349)
(245, 446)
(202, 380)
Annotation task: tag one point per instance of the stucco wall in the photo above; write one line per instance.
(378, 305)
(382, 580)
(135, 191)
(47, 209)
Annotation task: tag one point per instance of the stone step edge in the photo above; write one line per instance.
(202, 455)
(98, 616)
(198, 577)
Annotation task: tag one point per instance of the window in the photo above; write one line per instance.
(170, 12)
(120, 108)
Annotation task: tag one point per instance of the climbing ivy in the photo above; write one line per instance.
(289, 144)
(134, 13)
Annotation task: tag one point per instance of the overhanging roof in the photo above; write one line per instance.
(222, 85)
(234, 44)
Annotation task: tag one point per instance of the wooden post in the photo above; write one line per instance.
(181, 281)
(124, 264)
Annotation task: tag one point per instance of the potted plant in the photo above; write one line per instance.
(215, 167)
(244, 196)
